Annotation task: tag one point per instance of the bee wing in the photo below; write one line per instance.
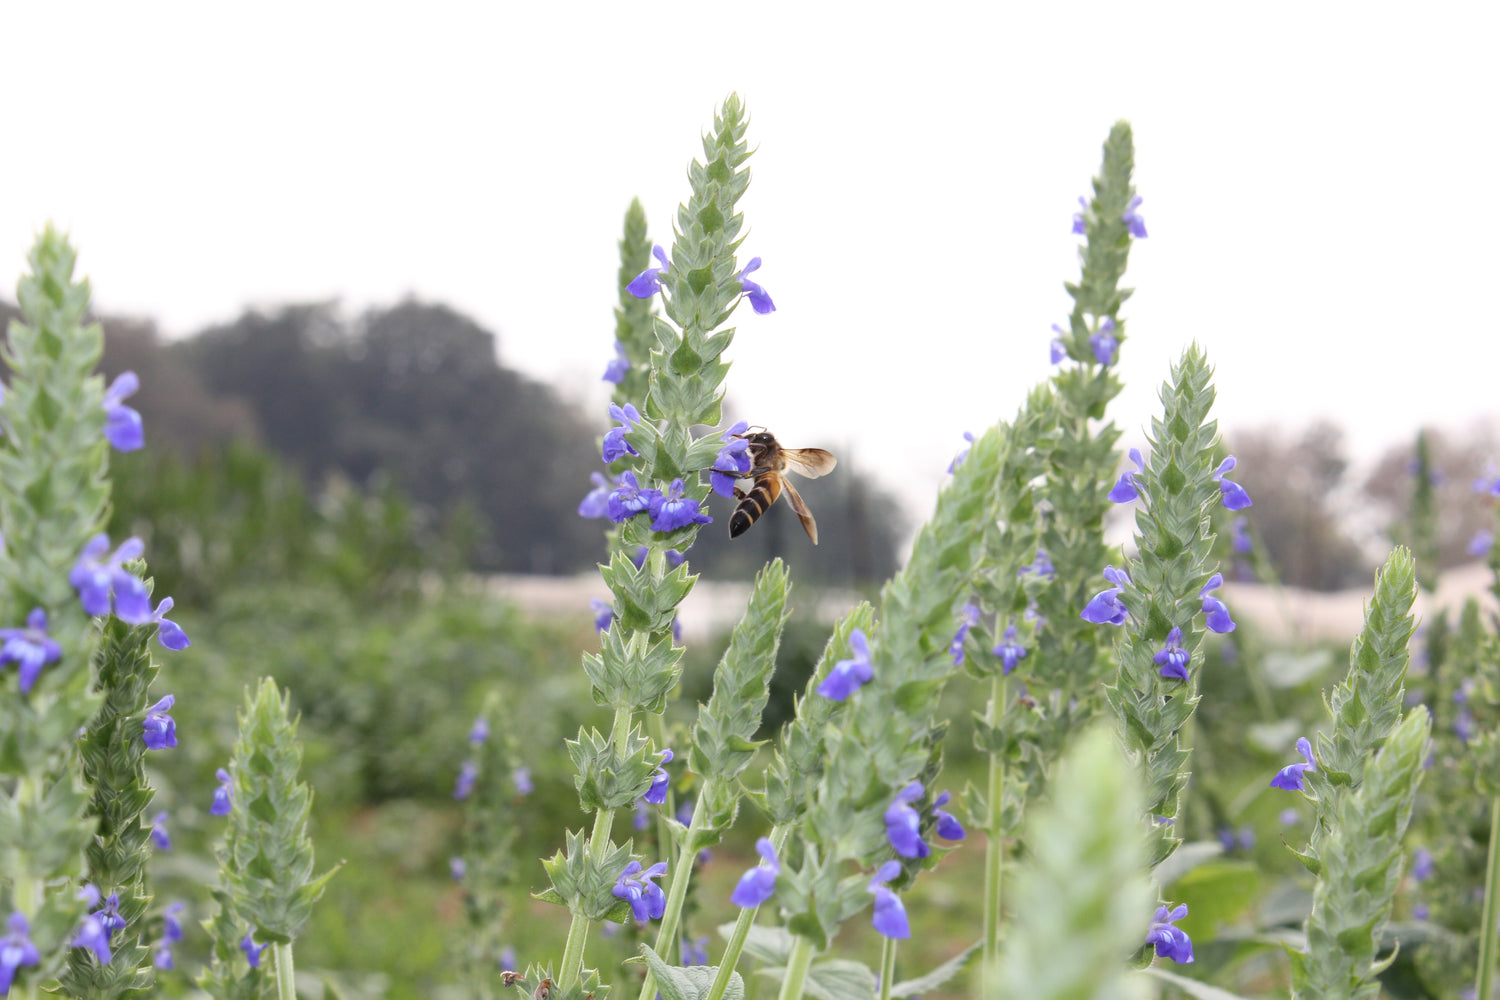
(809, 462)
(803, 514)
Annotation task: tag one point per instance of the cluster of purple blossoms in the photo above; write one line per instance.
(122, 424)
(648, 282)
(98, 927)
(159, 835)
(1172, 658)
(1134, 222)
(1482, 542)
(759, 883)
(733, 461)
(615, 445)
(16, 950)
(1170, 941)
(171, 935)
(1234, 495)
(959, 458)
(1009, 649)
(903, 824)
(1041, 566)
(968, 618)
(223, 795)
(1290, 777)
(1232, 842)
(646, 899)
(105, 586)
(29, 648)
(1058, 347)
(660, 781)
(694, 952)
(468, 774)
(251, 949)
(890, 912)
(1104, 343)
(1124, 490)
(159, 729)
(1241, 540)
(668, 510)
(1105, 607)
(618, 368)
(848, 676)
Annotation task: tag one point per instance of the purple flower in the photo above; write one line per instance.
(967, 619)
(648, 282)
(93, 935)
(1079, 217)
(1010, 650)
(122, 425)
(104, 582)
(171, 934)
(1104, 342)
(903, 825)
(647, 901)
(617, 369)
(168, 632)
(520, 779)
(508, 958)
(1421, 865)
(1137, 227)
(948, 826)
(457, 868)
(639, 559)
(1106, 608)
(759, 300)
(1290, 777)
(671, 510)
(159, 835)
(660, 781)
(1235, 497)
(596, 502)
(1041, 566)
(468, 774)
(109, 913)
(251, 949)
(615, 445)
(890, 914)
(29, 648)
(959, 458)
(1170, 942)
(629, 498)
(1420, 911)
(1481, 543)
(223, 795)
(1172, 658)
(1058, 348)
(16, 950)
(1218, 619)
(641, 818)
(1463, 725)
(732, 462)
(675, 558)
(695, 952)
(479, 731)
(1289, 817)
(603, 614)
(1124, 490)
(759, 883)
(159, 729)
(1242, 541)
(848, 676)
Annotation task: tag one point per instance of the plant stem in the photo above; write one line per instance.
(1486, 975)
(994, 851)
(797, 964)
(887, 967)
(677, 882)
(741, 931)
(572, 959)
(286, 975)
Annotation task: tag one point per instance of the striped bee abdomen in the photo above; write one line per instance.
(755, 503)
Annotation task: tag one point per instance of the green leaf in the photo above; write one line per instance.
(690, 982)
(767, 945)
(839, 979)
(1192, 987)
(937, 977)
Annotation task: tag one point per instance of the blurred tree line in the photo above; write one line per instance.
(404, 414)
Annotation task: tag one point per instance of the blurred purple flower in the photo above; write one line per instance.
(251, 949)
(1104, 342)
(1124, 490)
(103, 582)
(848, 676)
(760, 300)
(619, 367)
(959, 458)
(122, 425)
(223, 795)
(903, 825)
(1137, 227)
(967, 618)
(759, 883)
(29, 648)
(159, 835)
(890, 914)
(1010, 650)
(595, 503)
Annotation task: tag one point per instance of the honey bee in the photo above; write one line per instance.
(768, 460)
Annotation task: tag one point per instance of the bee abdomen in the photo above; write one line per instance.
(755, 503)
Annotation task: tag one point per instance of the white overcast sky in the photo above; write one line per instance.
(1318, 180)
